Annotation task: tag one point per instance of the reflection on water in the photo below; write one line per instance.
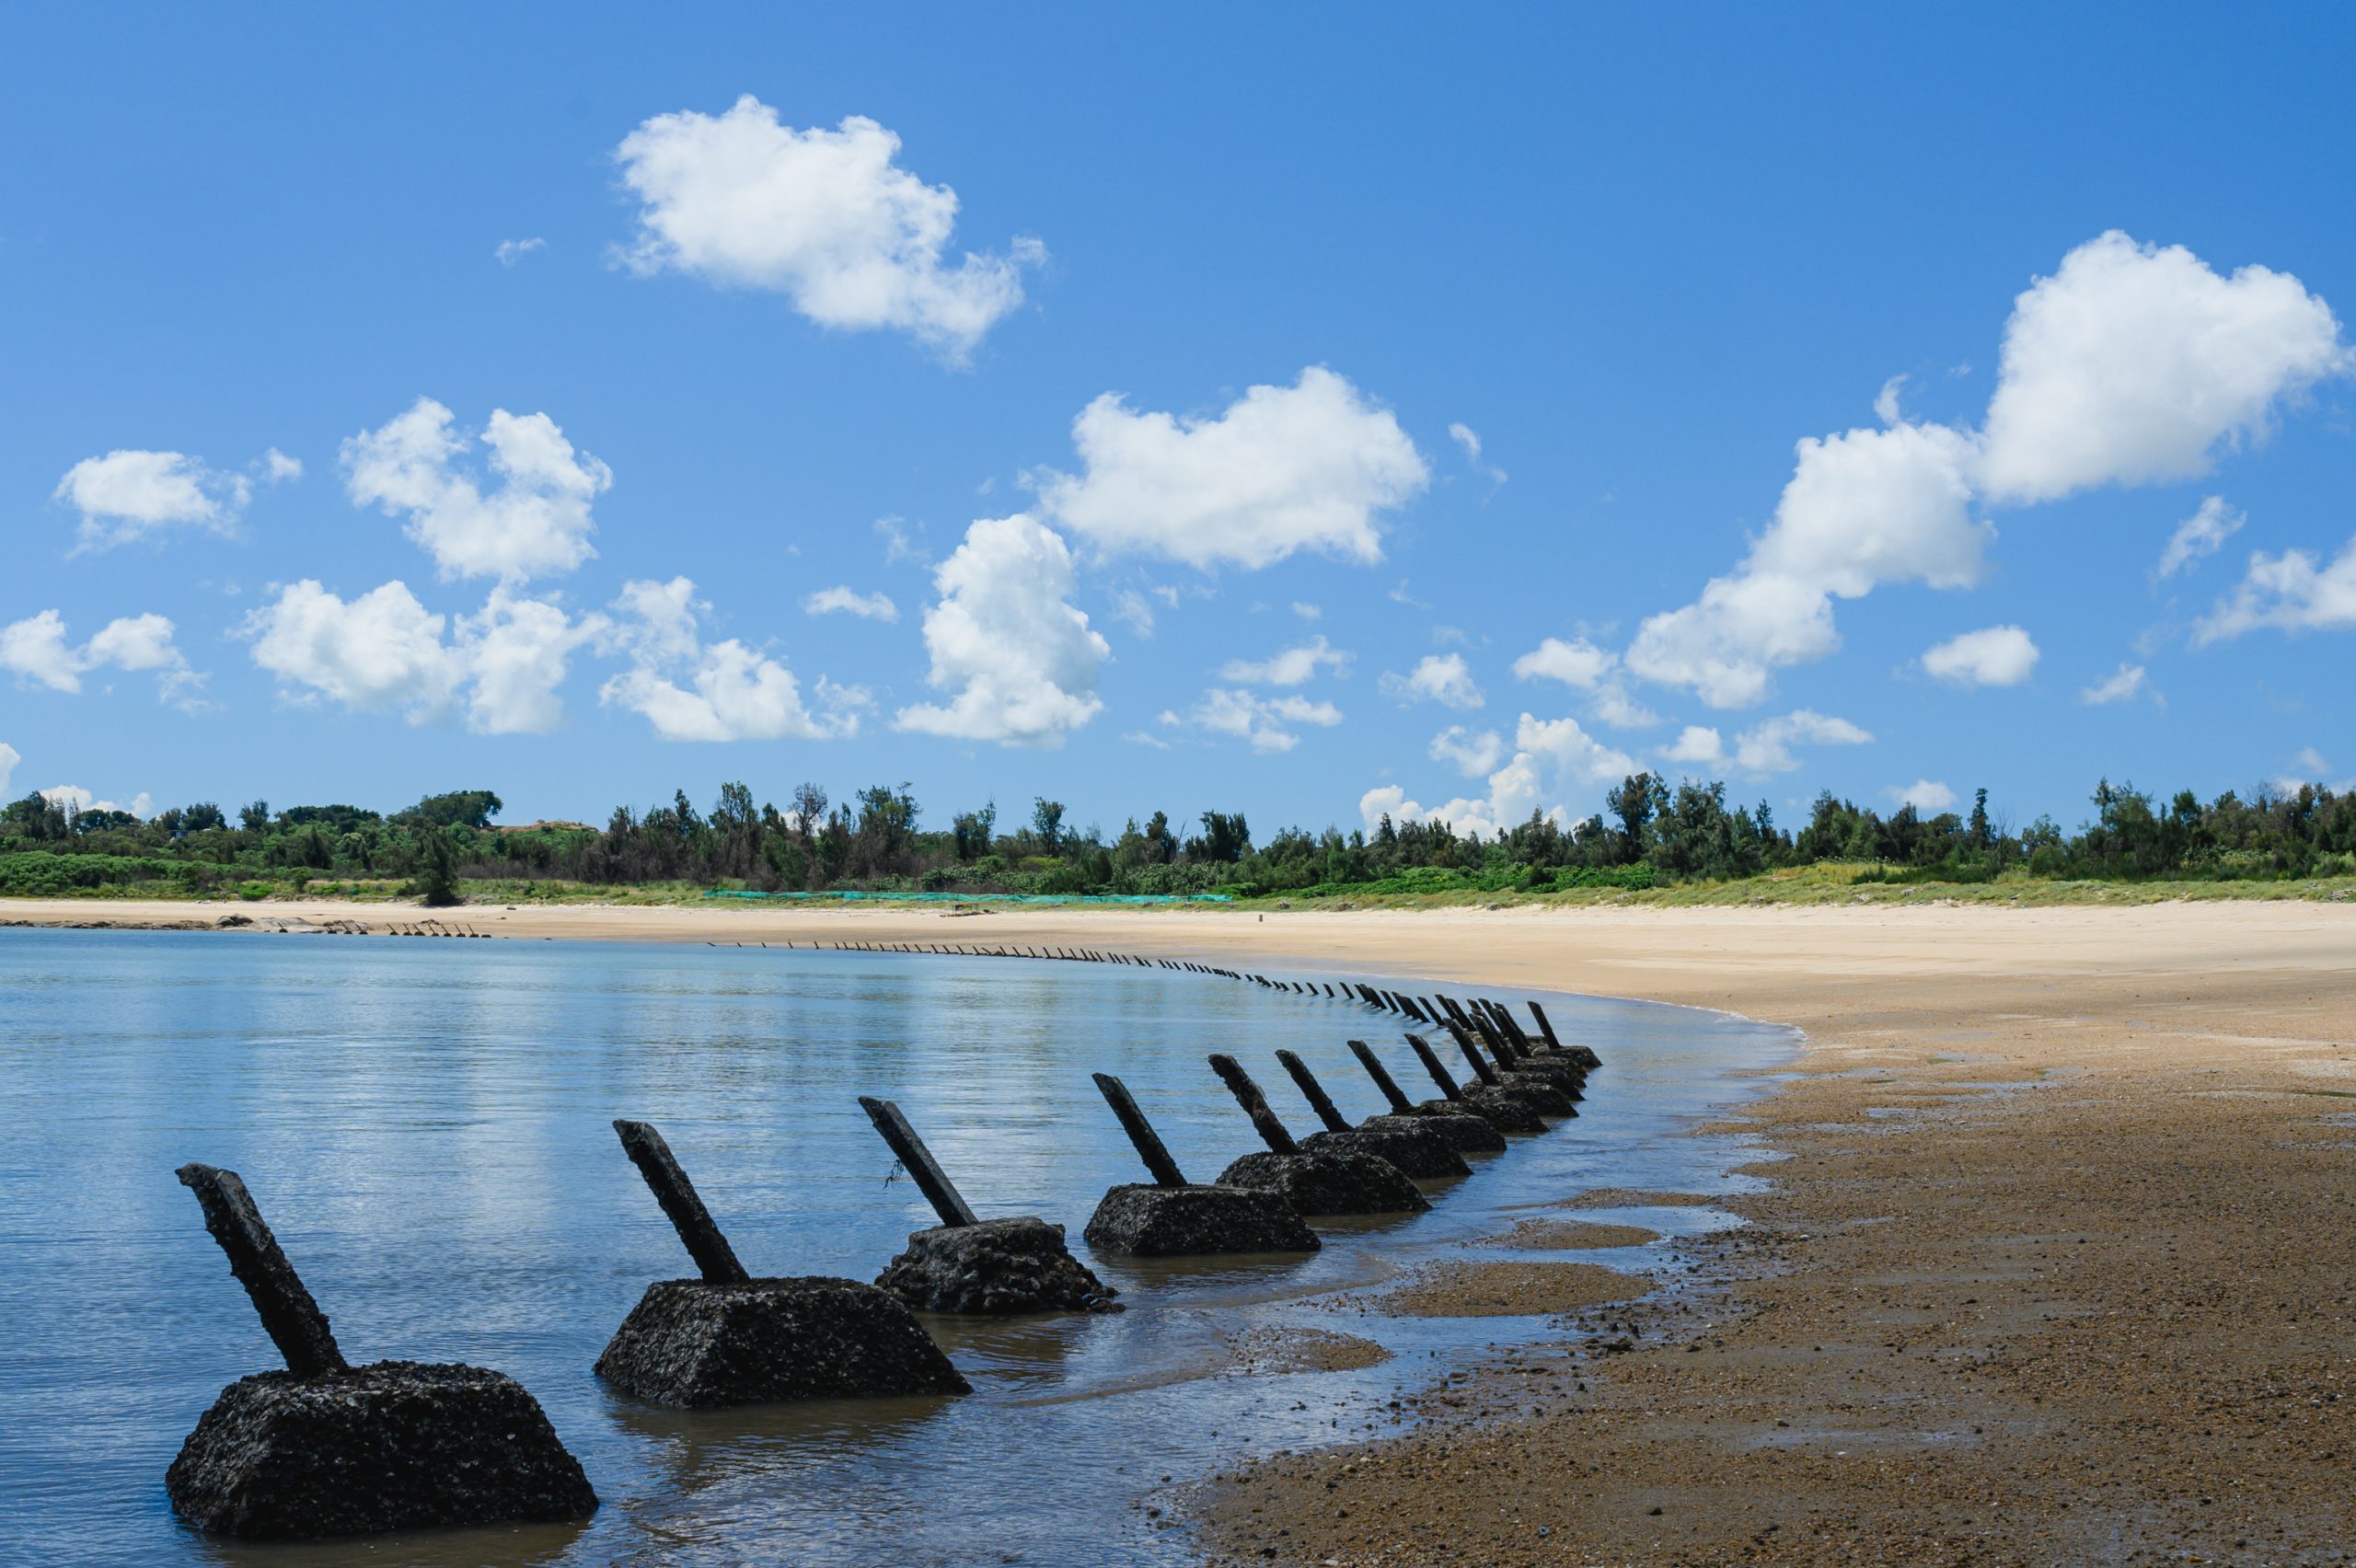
(426, 1125)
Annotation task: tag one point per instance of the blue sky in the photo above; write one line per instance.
(1167, 390)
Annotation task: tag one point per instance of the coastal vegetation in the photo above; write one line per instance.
(1653, 842)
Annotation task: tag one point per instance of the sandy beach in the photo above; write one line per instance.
(2055, 1263)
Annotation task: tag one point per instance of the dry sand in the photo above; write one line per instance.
(2059, 1265)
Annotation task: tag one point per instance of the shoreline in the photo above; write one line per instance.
(2053, 1263)
(1767, 962)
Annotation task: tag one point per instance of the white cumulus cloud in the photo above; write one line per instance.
(1926, 795)
(534, 522)
(1513, 795)
(826, 218)
(1698, 745)
(1614, 707)
(1578, 663)
(9, 757)
(1006, 640)
(1574, 754)
(1726, 645)
(1288, 667)
(2294, 591)
(1282, 469)
(1444, 678)
(1268, 723)
(500, 668)
(516, 650)
(1863, 508)
(130, 494)
(511, 251)
(36, 650)
(1470, 753)
(1765, 748)
(77, 801)
(1553, 760)
(380, 652)
(1993, 656)
(2133, 363)
(842, 601)
(722, 691)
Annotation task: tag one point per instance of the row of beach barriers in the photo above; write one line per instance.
(326, 1448)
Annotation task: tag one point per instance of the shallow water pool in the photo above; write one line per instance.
(426, 1126)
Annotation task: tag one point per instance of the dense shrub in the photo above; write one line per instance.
(1651, 834)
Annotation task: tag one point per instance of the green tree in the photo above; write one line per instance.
(460, 808)
(1048, 824)
(437, 876)
(736, 825)
(1634, 800)
(972, 833)
(809, 814)
(887, 826)
(1162, 843)
(1226, 838)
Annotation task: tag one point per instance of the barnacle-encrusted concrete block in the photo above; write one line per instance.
(1405, 1141)
(1505, 1110)
(1539, 1094)
(1466, 1132)
(689, 1343)
(1175, 1222)
(1530, 1069)
(399, 1445)
(1341, 1182)
(997, 1266)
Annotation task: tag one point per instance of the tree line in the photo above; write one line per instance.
(1650, 834)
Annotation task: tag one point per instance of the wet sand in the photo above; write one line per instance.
(2057, 1267)
(1571, 1235)
(1276, 1352)
(2056, 1264)
(1505, 1289)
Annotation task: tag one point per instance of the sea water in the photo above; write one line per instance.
(426, 1125)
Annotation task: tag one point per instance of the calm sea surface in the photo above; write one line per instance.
(425, 1124)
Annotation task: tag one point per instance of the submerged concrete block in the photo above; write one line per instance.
(1176, 1222)
(1339, 1182)
(691, 1342)
(995, 1266)
(398, 1445)
(1418, 1150)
